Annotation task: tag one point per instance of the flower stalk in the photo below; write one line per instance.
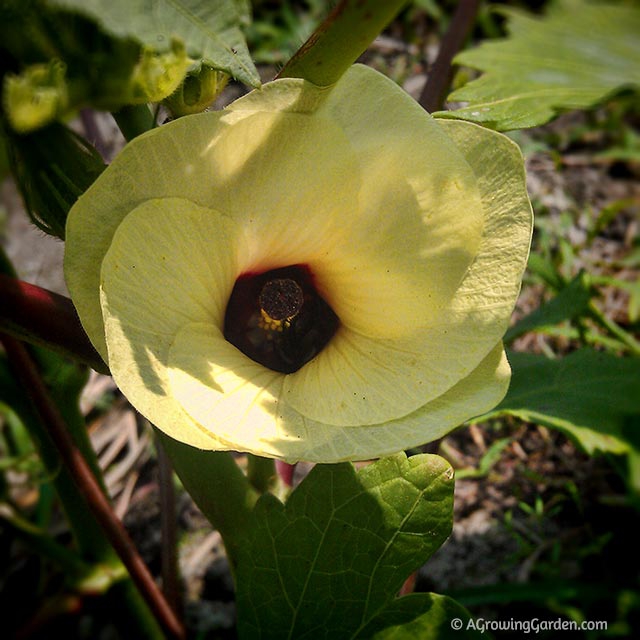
(261, 473)
(218, 487)
(132, 120)
(44, 318)
(339, 41)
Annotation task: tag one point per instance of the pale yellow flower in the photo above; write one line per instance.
(415, 232)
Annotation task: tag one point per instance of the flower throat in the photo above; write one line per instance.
(278, 318)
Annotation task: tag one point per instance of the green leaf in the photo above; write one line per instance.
(488, 460)
(591, 396)
(331, 560)
(571, 302)
(53, 166)
(542, 592)
(573, 58)
(426, 616)
(209, 30)
(544, 268)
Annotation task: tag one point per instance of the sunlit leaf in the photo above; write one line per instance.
(590, 395)
(209, 30)
(573, 58)
(427, 616)
(331, 560)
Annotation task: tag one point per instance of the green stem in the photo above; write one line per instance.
(340, 40)
(92, 544)
(44, 544)
(261, 473)
(613, 328)
(218, 487)
(86, 496)
(133, 120)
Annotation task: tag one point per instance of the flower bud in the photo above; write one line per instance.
(157, 75)
(36, 96)
(198, 90)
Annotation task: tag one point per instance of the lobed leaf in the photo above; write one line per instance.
(576, 56)
(334, 557)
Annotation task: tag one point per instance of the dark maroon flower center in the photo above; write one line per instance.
(278, 318)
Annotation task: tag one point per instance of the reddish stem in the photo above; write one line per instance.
(45, 318)
(439, 79)
(96, 500)
(409, 585)
(285, 471)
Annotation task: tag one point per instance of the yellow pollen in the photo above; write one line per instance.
(269, 324)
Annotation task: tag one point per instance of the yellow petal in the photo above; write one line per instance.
(484, 301)
(479, 392)
(418, 220)
(362, 380)
(164, 162)
(291, 183)
(171, 263)
(288, 179)
(374, 380)
(226, 392)
(243, 403)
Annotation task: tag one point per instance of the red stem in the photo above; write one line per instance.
(439, 78)
(87, 484)
(285, 471)
(45, 318)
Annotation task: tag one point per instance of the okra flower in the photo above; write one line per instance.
(312, 273)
